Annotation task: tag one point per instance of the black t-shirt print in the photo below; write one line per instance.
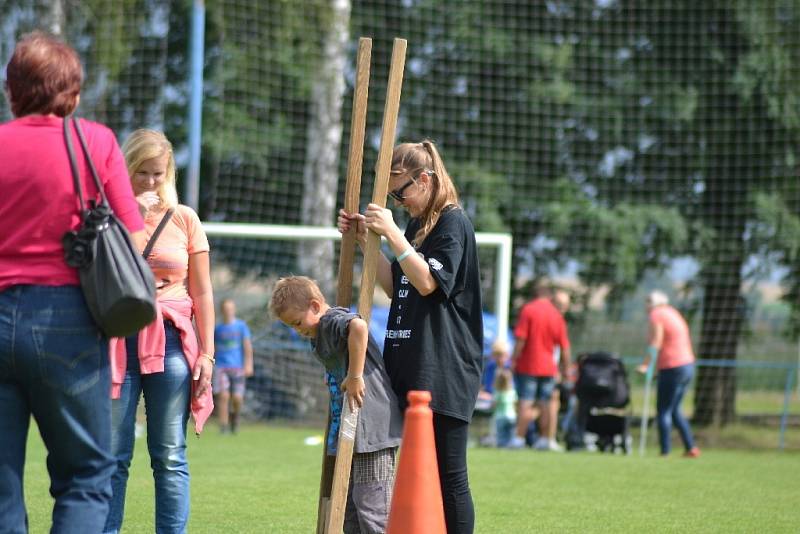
(434, 343)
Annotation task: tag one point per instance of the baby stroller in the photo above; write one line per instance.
(603, 394)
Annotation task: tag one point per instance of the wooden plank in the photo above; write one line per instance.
(344, 456)
(355, 161)
(344, 291)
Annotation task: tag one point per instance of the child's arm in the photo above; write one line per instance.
(247, 345)
(357, 338)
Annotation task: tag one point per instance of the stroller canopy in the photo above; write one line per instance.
(602, 380)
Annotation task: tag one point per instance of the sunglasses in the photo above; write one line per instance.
(397, 194)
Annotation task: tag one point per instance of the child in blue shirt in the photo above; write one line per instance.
(234, 363)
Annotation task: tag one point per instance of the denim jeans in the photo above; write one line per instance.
(54, 366)
(166, 398)
(534, 388)
(672, 385)
(505, 429)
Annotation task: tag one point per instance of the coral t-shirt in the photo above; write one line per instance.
(676, 347)
(182, 236)
(540, 328)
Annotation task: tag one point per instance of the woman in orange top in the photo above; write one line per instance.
(169, 361)
(670, 342)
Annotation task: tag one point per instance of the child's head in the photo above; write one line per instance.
(228, 310)
(503, 380)
(151, 165)
(298, 302)
(500, 352)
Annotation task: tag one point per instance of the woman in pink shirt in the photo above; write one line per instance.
(670, 343)
(53, 358)
(169, 362)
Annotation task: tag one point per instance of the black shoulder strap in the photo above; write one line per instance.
(97, 182)
(73, 162)
(150, 244)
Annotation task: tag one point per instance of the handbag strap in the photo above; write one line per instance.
(150, 244)
(95, 176)
(73, 162)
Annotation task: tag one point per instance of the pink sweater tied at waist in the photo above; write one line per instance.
(152, 342)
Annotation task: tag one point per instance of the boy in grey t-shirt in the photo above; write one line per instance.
(351, 356)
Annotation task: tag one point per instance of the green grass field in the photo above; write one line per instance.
(265, 480)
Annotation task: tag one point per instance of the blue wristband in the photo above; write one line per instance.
(405, 254)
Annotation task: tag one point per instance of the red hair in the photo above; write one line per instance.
(44, 76)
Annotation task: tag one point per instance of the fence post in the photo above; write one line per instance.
(787, 393)
(196, 53)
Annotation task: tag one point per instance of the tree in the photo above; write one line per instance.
(630, 134)
(323, 145)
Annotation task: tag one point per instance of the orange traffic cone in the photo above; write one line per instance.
(417, 500)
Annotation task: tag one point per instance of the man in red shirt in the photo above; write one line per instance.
(539, 330)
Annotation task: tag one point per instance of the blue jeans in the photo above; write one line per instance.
(166, 398)
(672, 385)
(54, 366)
(505, 428)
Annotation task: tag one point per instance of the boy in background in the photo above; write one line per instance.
(342, 344)
(234, 355)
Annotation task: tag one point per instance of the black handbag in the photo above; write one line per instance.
(117, 283)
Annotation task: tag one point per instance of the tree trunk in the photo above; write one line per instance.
(723, 317)
(56, 17)
(729, 173)
(320, 173)
(725, 211)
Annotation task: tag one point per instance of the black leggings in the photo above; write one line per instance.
(451, 453)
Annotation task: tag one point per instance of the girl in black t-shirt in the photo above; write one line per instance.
(434, 335)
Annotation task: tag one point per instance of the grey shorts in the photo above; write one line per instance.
(228, 379)
(370, 495)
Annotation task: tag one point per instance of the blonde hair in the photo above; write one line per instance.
(413, 158)
(144, 144)
(500, 346)
(295, 292)
(657, 298)
(503, 380)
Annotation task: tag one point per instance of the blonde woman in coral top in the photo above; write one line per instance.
(170, 361)
(670, 344)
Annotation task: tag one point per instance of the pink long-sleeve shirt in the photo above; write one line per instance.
(38, 201)
(151, 345)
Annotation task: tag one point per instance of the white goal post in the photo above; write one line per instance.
(503, 242)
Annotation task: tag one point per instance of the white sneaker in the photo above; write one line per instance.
(542, 444)
(516, 443)
(552, 445)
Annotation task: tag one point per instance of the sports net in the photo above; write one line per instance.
(627, 146)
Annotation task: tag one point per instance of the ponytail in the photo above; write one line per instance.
(410, 156)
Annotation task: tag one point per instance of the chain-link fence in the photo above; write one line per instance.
(626, 145)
